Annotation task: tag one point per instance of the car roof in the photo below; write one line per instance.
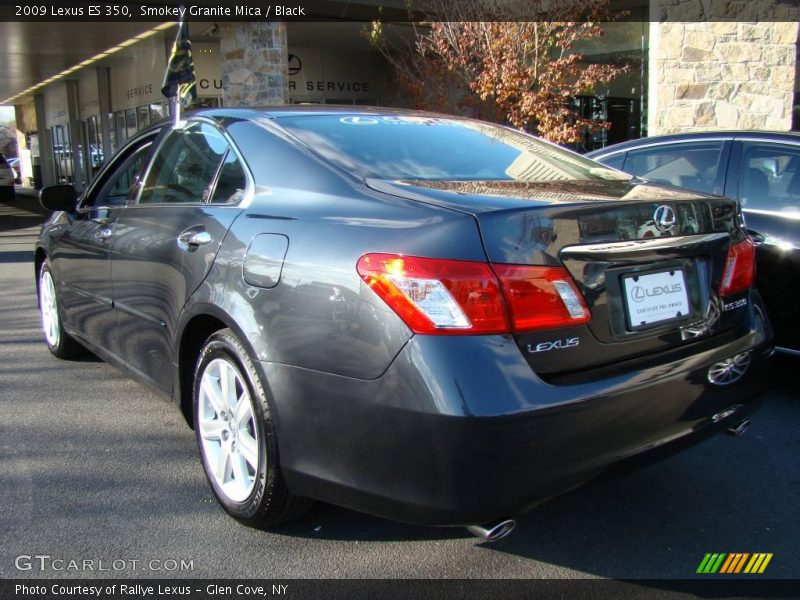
(791, 136)
(295, 110)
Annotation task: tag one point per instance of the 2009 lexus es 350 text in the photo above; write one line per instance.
(427, 318)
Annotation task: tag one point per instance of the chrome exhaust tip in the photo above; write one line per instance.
(493, 531)
(738, 429)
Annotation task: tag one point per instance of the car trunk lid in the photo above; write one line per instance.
(649, 278)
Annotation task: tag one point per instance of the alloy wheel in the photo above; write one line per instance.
(49, 308)
(228, 429)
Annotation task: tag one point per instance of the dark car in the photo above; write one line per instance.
(762, 170)
(432, 319)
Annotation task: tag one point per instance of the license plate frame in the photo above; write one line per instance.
(655, 298)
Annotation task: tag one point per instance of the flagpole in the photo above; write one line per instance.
(175, 105)
(179, 79)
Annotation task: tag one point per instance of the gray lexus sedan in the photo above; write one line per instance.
(423, 317)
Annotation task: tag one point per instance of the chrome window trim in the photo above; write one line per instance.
(760, 140)
(642, 245)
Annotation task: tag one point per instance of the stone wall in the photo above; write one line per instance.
(26, 117)
(721, 75)
(255, 64)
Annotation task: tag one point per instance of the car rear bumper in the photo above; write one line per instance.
(460, 430)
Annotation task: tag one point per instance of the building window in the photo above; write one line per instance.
(130, 123)
(62, 153)
(121, 130)
(157, 112)
(112, 134)
(94, 145)
(143, 117)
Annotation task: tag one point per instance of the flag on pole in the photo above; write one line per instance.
(179, 80)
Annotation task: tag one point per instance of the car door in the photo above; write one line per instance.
(165, 242)
(766, 179)
(80, 255)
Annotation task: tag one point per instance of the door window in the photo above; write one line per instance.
(614, 161)
(688, 165)
(186, 166)
(121, 182)
(770, 177)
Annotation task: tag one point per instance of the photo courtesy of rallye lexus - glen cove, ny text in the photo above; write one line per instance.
(399, 312)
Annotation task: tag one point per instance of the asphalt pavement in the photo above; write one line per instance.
(95, 466)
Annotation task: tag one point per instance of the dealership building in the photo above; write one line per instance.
(81, 90)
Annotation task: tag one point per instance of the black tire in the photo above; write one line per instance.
(8, 194)
(61, 344)
(269, 503)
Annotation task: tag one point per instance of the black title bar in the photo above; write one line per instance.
(68, 11)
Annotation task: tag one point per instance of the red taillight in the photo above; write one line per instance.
(739, 269)
(438, 296)
(541, 297)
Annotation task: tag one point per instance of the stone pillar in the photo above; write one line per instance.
(104, 103)
(255, 64)
(48, 169)
(75, 136)
(721, 75)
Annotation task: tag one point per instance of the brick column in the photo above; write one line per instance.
(254, 64)
(721, 75)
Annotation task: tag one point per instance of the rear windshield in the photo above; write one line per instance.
(431, 149)
(3, 162)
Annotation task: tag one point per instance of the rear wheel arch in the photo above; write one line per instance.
(193, 335)
(198, 327)
(38, 260)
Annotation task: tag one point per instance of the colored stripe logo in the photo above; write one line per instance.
(735, 562)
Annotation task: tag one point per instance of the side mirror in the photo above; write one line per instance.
(58, 197)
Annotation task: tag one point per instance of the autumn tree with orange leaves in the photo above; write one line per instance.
(523, 73)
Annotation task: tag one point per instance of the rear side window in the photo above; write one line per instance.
(770, 177)
(438, 148)
(231, 183)
(185, 167)
(689, 165)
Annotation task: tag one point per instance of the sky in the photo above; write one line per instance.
(6, 114)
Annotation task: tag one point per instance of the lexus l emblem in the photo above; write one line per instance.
(295, 64)
(359, 121)
(664, 218)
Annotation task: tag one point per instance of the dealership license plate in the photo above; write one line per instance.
(656, 297)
